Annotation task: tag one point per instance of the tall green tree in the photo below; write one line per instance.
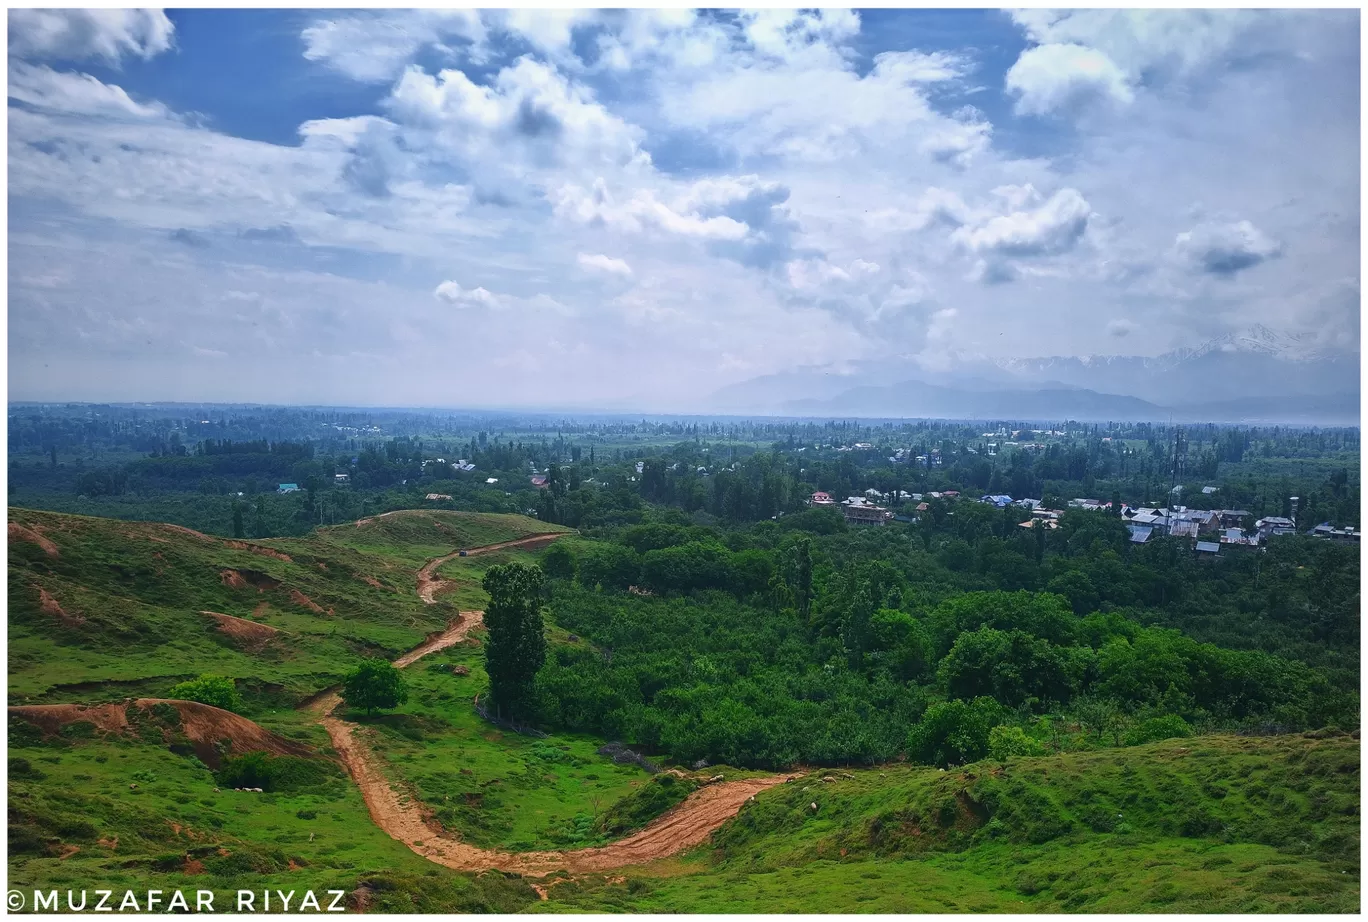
(516, 648)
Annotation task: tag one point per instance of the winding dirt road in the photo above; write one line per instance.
(429, 583)
(686, 825)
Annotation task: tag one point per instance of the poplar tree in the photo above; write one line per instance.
(516, 648)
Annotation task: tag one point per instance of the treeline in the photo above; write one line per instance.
(771, 646)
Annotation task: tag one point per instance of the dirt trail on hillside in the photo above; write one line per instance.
(407, 820)
(429, 583)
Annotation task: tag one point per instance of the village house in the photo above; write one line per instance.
(1232, 518)
(437, 496)
(1275, 525)
(859, 511)
(539, 480)
(1235, 537)
(1344, 535)
(288, 488)
(821, 499)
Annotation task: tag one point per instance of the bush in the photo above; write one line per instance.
(215, 691)
(955, 732)
(272, 773)
(1170, 726)
(1005, 742)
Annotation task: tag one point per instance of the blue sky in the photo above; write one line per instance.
(637, 208)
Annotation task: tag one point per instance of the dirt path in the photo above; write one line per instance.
(429, 583)
(686, 825)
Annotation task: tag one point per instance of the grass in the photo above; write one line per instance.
(1213, 824)
(174, 830)
(492, 787)
(414, 537)
(131, 597)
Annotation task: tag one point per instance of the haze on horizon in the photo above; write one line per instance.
(637, 209)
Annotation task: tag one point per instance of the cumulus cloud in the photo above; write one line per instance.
(79, 35)
(1054, 226)
(598, 262)
(1225, 249)
(803, 190)
(452, 293)
(1057, 77)
(642, 210)
(530, 117)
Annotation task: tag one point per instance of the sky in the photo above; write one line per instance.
(635, 208)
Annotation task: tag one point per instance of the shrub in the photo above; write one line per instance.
(215, 691)
(1005, 742)
(272, 773)
(1170, 726)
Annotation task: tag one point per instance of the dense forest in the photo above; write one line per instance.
(800, 641)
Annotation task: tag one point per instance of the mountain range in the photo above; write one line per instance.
(1257, 375)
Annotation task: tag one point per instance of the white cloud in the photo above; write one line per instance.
(1225, 249)
(80, 35)
(452, 293)
(1053, 78)
(600, 263)
(641, 210)
(1120, 328)
(802, 192)
(75, 94)
(1053, 227)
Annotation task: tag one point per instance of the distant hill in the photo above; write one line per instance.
(1257, 375)
(919, 399)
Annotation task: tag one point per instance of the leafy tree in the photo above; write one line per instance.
(1101, 716)
(374, 684)
(610, 566)
(558, 562)
(516, 648)
(1005, 742)
(1013, 667)
(215, 691)
(237, 521)
(902, 643)
(955, 732)
(1078, 588)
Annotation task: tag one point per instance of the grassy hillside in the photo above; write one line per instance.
(413, 537)
(101, 608)
(1213, 824)
(127, 812)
